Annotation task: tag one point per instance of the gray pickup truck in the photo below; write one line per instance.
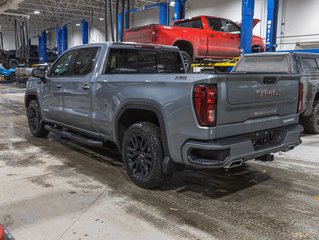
(140, 98)
(304, 64)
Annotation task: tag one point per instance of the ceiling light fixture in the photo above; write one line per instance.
(172, 3)
(101, 19)
(36, 12)
(78, 24)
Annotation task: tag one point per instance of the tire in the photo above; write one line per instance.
(311, 123)
(6, 78)
(14, 63)
(6, 65)
(142, 153)
(12, 76)
(257, 49)
(35, 121)
(187, 60)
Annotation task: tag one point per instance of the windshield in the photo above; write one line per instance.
(263, 64)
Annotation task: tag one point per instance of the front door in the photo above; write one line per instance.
(52, 99)
(233, 33)
(78, 90)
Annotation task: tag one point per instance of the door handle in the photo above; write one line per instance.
(86, 87)
(212, 35)
(232, 38)
(58, 86)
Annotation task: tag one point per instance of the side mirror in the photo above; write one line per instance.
(38, 73)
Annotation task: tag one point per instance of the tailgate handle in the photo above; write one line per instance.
(270, 80)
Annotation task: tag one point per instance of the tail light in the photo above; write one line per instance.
(155, 35)
(205, 103)
(301, 93)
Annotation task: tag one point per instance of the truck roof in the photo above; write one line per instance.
(283, 53)
(127, 45)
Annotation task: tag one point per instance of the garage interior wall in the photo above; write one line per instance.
(295, 18)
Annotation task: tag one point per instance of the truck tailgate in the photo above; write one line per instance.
(142, 34)
(245, 97)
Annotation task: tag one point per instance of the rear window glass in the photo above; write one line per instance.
(263, 64)
(195, 23)
(309, 65)
(134, 61)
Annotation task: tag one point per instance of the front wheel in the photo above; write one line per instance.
(143, 155)
(35, 121)
(311, 123)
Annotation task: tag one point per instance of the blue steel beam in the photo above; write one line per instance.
(164, 14)
(246, 38)
(85, 32)
(40, 48)
(179, 9)
(58, 40)
(44, 53)
(272, 23)
(64, 38)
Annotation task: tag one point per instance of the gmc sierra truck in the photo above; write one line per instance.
(304, 64)
(140, 98)
(198, 38)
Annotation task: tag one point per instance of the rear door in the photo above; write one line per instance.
(218, 39)
(77, 93)
(52, 99)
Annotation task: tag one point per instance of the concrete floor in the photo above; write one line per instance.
(55, 189)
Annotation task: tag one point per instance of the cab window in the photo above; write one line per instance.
(216, 24)
(84, 61)
(61, 67)
(309, 65)
(231, 27)
(194, 23)
(140, 61)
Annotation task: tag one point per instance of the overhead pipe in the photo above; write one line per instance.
(106, 22)
(111, 19)
(117, 10)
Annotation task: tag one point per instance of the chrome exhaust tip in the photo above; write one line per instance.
(290, 148)
(234, 164)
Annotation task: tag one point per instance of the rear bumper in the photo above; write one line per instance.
(222, 152)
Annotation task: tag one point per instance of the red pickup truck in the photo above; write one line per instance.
(198, 38)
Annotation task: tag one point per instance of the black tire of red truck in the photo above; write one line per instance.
(187, 60)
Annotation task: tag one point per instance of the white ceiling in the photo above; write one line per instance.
(54, 12)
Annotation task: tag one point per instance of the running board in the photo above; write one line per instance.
(75, 137)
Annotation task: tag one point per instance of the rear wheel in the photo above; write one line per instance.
(14, 63)
(12, 76)
(143, 155)
(187, 60)
(35, 121)
(6, 65)
(257, 49)
(311, 123)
